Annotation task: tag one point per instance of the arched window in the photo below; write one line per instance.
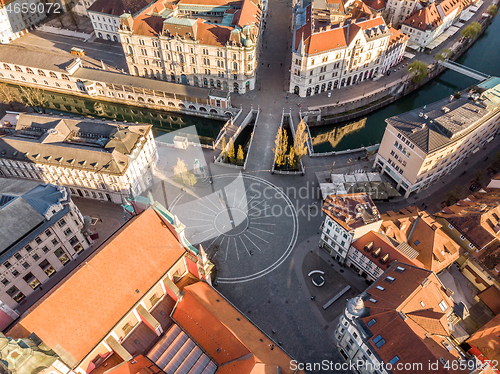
(195, 81)
(65, 77)
(161, 102)
(192, 107)
(130, 50)
(213, 111)
(6, 67)
(235, 66)
(203, 109)
(53, 75)
(130, 97)
(115, 38)
(170, 103)
(29, 71)
(41, 73)
(34, 80)
(69, 86)
(47, 83)
(18, 69)
(24, 79)
(151, 101)
(140, 99)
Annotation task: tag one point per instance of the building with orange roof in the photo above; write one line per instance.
(347, 218)
(115, 305)
(426, 24)
(105, 15)
(196, 42)
(402, 323)
(396, 11)
(485, 344)
(327, 54)
(421, 238)
(372, 254)
(395, 50)
(474, 223)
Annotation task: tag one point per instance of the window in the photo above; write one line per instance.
(462, 237)
(417, 242)
(154, 299)
(68, 232)
(28, 248)
(38, 240)
(399, 269)
(15, 273)
(378, 341)
(48, 233)
(26, 265)
(422, 303)
(36, 257)
(47, 268)
(63, 257)
(7, 264)
(450, 226)
(471, 245)
(372, 300)
(389, 279)
(443, 305)
(394, 360)
(15, 294)
(371, 322)
(127, 328)
(31, 280)
(5, 282)
(17, 256)
(380, 288)
(61, 222)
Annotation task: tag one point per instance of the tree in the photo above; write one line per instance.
(223, 147)
(419, 70)
(301, 138)
(72, 16)
(445, 54)
(292, 157)
(452, 197)
(472, 30)
(182, 174)
(280, 147)
(9, 95)
(493, 10)
(240, 156)
(230, 152)
(35, 98)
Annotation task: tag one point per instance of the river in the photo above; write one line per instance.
(163, 122)
(484, 56)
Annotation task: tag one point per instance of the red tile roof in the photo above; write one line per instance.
(226, 335)
(487, 340)
(436, 250)
(211, 34)
(386, 248)
(78, 313)
(351, 210)
(424, 19)
(491, 297)
(448, 6)
(139, 365)
(248, 15)
(396, 37)
(408, 306)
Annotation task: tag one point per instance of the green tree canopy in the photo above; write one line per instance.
(419, 70)
(472, 30)
(493, 10)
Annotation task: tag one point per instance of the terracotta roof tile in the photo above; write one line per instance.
(118, 7)
(424, 19)
(487, 339)
(215, 324)
(103, 289)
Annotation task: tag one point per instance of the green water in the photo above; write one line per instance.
(484, 56)
(163, 122)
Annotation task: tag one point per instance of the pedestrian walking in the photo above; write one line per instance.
(268, 65)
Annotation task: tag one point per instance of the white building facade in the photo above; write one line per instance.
(218, 50)
(336, 56)
(17, 17)
(418, 155)
(38, 253)
(395, 51)
(125, 170)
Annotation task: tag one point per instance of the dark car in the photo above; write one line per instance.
(472, 187)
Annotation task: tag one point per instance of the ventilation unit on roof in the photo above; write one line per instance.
(426, 116)
(421, 114)
(445, 109)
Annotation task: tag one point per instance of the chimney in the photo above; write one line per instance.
(127, 21)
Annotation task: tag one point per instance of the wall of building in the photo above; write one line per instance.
(105, 25)
(52, 249)
(228, 68)
(89, 183)
(15, 21)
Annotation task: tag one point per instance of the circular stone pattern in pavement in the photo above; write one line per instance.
(247, 226)
(231, 222)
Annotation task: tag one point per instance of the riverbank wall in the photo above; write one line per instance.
(337, 113)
